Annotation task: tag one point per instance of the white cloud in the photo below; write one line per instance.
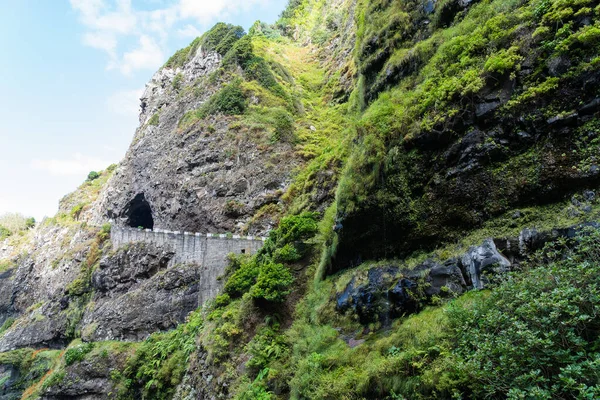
(148, 55)
(88, 8)
(101, 40)
(78, 164)
(125, 102)
(189, 31)
(108, 22)
(206, 11)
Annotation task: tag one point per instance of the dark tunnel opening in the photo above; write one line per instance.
(139, 213)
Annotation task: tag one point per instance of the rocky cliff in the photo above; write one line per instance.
(425, 173)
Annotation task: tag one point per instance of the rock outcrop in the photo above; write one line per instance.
(203, 178)
(384, 293)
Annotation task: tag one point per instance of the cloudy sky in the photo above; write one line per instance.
(70, 78)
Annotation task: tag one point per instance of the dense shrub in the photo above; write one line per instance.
(222, 37)
(263, 275)
(92, 176)
(245, 272)
(229, 101)
(30, 223)
(273, 282)
(538, 334)
(294, 228)
(266, 346)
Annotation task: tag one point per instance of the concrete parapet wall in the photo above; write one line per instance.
(207, 250)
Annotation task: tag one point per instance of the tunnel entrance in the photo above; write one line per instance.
(139, 213)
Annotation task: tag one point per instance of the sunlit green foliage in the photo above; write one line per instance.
(181, 56)
(158, 364)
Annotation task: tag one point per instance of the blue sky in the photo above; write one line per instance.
(71, 75)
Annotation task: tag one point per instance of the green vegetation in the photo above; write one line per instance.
(158, 364)
(4, 233)
(536, 334)
(34, 367)
(262, 275)
(177, 81)
(230, 100)
(527, 338)
(5, 265)
(7, 324)
(93, 175)
(181, 56)
(154, 119)
(378, 133)
(77, 353)
(14, 224)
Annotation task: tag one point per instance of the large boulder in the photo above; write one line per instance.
(481, 261)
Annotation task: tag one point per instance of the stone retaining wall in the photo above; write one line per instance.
(207, 250)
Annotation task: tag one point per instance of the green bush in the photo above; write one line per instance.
(273, 282)
(181, 56)
(286, 254)
(241, 52)
(267, 346)
(76, 210)
(222, 300)
(255, 390)
(93, 175)
(30, 223)
(78, 353)
(229, 101)
(222, 37)
(295, 228)
(284, 125)
(245, 272)
(263, 275)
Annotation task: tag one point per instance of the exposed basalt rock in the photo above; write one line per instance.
(10, 388)
(382, 293)
(127, 267)
(186, 176)
(138, 293)
(482, 261)
(33, 290)
(468, 172)
(89, 379)
(378, 295)
(45, 326)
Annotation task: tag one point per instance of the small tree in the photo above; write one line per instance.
(30, 223)
(93, 175)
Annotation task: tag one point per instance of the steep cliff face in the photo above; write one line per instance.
(403, 157)
(206, 176)
(473, 109)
